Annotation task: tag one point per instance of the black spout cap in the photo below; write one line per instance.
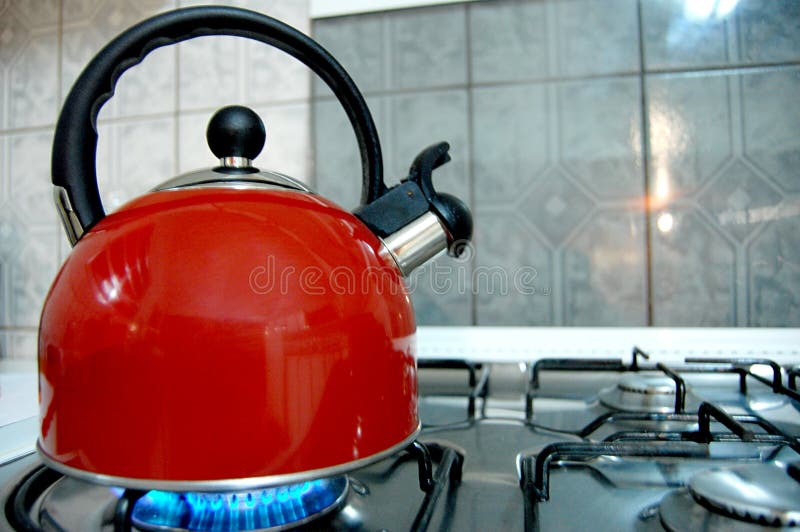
(452, 212)
(457, 219)
(415, 196)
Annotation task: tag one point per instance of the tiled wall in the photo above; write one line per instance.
(152, 129)
(639, 161)
(561, 114)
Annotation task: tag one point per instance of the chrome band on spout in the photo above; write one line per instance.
(235, 162)
(416, 243)
(69, 219)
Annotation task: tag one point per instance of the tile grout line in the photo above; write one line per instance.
(472, 149)
(645, 143)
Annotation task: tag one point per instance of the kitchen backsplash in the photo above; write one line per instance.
(562, 116)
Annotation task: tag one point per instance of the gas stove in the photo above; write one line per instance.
(632, 442)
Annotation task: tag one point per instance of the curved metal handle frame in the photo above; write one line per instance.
(75, 144)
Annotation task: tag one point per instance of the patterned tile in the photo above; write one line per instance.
(678, 34)
(736, 196)
(508, 41)
(689, 129)
(600, 139)
(14, 34)
(597, 37)
(605, 271)
(89, 25)
(12, 236)
(513, 273)
(771, 122)
(32, 75)
(142, 156)
(415, 33)
(29, 178)
(769, 30)
(31, 273)
(555, 206)
(511, 141)
(774, 279)
(693, 272)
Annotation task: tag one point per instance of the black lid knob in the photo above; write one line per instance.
(236, 131)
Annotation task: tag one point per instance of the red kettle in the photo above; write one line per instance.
(231, 329)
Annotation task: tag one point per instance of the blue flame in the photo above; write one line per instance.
(249, 510)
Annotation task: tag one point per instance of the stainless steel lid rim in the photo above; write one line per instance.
(235, 484)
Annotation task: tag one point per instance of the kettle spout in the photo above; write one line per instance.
(415, 222)
(416, 243)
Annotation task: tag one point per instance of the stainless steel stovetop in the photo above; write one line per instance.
(560, 444)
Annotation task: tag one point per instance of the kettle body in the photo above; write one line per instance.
(232, 329)
(163, 358)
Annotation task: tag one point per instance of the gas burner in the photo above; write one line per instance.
(740, 498)
(636, 392)
(267, 509)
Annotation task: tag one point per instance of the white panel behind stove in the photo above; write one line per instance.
(516, 344)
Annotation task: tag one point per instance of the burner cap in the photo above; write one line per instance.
(759, 493)
(640, 393)
(649, 385)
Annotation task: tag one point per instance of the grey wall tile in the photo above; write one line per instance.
(605, 271)
(24, 345)
(600, 139)
(288, 140)
(597, 37)
(769, 30)
(555, 205)
(337, 166)
(693, 272)
(273, 76)
(676, 37)
(508, 41)
(506, 249)
(210, 73)
(774, 278)
(5, 343)
(358, 44)
(193, 150)
(734, 194)
(689, 126)
(441, 292)
(510, 129)
(421, 119)
(771, 117)
(429, 47)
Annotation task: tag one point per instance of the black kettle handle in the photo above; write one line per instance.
(75, 142)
